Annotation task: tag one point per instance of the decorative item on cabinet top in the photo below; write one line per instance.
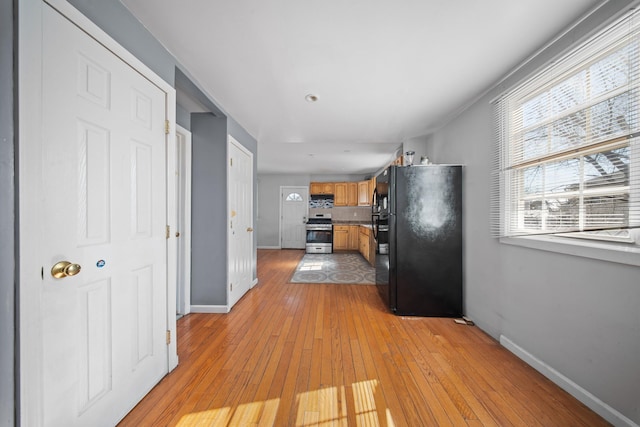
(321, 201)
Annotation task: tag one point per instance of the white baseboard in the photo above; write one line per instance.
(219, 309)
(591, 401)
(269, 247)
(255, 282)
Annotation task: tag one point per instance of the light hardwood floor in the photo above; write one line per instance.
(322, 355)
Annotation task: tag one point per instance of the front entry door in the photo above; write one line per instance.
(100, 230)
(295, 209)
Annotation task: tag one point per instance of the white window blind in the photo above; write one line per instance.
(568, 143)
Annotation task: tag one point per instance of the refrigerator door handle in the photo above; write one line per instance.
(375, 221)
(374, 201)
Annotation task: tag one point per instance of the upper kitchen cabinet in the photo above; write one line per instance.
(340, 194)
(365, 189)
(346, 194)
(352, 194)
(322, 188)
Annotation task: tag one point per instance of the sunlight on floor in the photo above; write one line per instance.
(311, 265)
(323, 407)
(244, 415)
(330, 406)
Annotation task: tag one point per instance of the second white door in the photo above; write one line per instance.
(240, 221)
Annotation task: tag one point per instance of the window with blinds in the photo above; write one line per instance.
(567, 158)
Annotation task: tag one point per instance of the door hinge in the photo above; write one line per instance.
(231, 161)
(168, 231)
(231, 287)
(168, 337)
(166, 127)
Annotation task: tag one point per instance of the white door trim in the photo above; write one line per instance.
(30, 143)
(184, 259)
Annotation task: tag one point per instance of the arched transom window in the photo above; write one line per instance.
(294, 197)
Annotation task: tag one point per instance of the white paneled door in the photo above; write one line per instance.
(240, 221)
(294, 208)
(100, 239)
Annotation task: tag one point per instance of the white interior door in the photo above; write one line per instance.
(240, 221)
(294, 206)
(182, 182)
(102, 207)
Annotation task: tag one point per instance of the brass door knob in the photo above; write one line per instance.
(249, 229)
(65, 268)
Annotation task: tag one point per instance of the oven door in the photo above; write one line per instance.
(319, 241)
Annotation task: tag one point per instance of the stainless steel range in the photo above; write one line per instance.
(319, 234)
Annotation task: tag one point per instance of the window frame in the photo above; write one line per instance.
(508, 200)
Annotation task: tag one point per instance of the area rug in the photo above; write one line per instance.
(339, 268)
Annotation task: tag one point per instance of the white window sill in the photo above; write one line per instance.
(623, 253)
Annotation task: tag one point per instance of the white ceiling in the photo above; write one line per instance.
(384, 70)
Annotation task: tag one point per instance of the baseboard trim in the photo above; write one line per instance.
(219, 309)
(255, 282)
(269, 247)
(584, 396)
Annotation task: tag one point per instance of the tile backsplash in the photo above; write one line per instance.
(320, 202)
(346, 213)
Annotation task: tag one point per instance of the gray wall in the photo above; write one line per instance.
(7, 250)
(209, 210)
(580, 316)
(183, 117)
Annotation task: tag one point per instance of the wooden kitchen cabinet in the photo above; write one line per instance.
(352, 194)
(364, 243)
(322, 188)
(354, 237)
(346, 194)
(367, 245)
(346, 237)
(340, 237)
(372, 250)
(340, 194)
(364, 193)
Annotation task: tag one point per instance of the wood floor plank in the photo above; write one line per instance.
(325, 355)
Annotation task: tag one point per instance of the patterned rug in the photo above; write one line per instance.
(339, 268)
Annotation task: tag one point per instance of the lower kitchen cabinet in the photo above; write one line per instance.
(346, 237)
(354, 237)
(340, 237)
(367, 245)
(364, 242)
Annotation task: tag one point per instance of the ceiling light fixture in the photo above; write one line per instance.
(311, 98)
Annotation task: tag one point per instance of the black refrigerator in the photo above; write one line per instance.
(417, 225)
